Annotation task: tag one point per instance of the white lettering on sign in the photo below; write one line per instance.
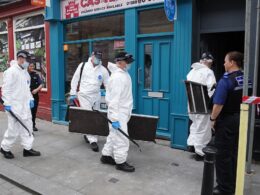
(77, 8)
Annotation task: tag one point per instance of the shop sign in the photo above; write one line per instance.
(170, 9)
(77, 8)
(71, 10)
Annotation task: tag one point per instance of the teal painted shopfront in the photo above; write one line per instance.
(162, 50)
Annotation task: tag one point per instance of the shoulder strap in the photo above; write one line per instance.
(81, 70)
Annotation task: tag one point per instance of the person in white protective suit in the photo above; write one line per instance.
(18, 99)
(119, 100)
(93, 76)
(200, 129)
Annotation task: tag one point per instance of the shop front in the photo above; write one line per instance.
(22, 27)
(162, 50)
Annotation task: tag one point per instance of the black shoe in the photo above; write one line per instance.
(198, 157)
(27, 153)
(8, 155)
(94, 146)
(35, 129)
(191, 149)
(125, 167)
(86, 139)
(107, 160)
(217, 191)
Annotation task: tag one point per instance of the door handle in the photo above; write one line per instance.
(139, 76)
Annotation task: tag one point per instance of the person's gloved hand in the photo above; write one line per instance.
(116, 125)
(31, 104)
(103, 93)
(8, 108)
(72, 98)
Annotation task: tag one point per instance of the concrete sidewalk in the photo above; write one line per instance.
(67, 166)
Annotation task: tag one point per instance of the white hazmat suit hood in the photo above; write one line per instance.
(111, 67)
(202, 74)
(13, 62)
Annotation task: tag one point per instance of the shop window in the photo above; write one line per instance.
(30, 36)
(108, 26)
(109, 49)
(3, 49)
(76, 54)
(153, 21)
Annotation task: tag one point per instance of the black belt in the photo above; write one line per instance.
(229, 114)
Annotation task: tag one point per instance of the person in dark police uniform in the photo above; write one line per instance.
(225, 120)
(36, 85)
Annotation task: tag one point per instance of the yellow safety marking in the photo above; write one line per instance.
(242, 145)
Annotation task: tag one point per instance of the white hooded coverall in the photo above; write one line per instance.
(200, 129)
(89, 91)
(119, 99)
(16, 93)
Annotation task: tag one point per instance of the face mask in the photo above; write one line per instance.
(96, 61)
(25, 65)
(128, 66)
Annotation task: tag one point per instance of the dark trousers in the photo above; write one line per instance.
(226, 141)
(34, 109)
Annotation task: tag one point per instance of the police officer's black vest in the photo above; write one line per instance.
(234, 97)
(34, 81)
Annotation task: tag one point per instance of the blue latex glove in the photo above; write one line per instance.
(72, 98)
(31, 104)
(103, 93)
(7, 108)
(116, 125)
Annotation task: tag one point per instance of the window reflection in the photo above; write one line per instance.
(76, 54)
(157, 24)
(148, 66)
(29, 21)
(33, 41)
(3, 50)
(108, 26)
(30, 36)
(3, 27)
(109, 49)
